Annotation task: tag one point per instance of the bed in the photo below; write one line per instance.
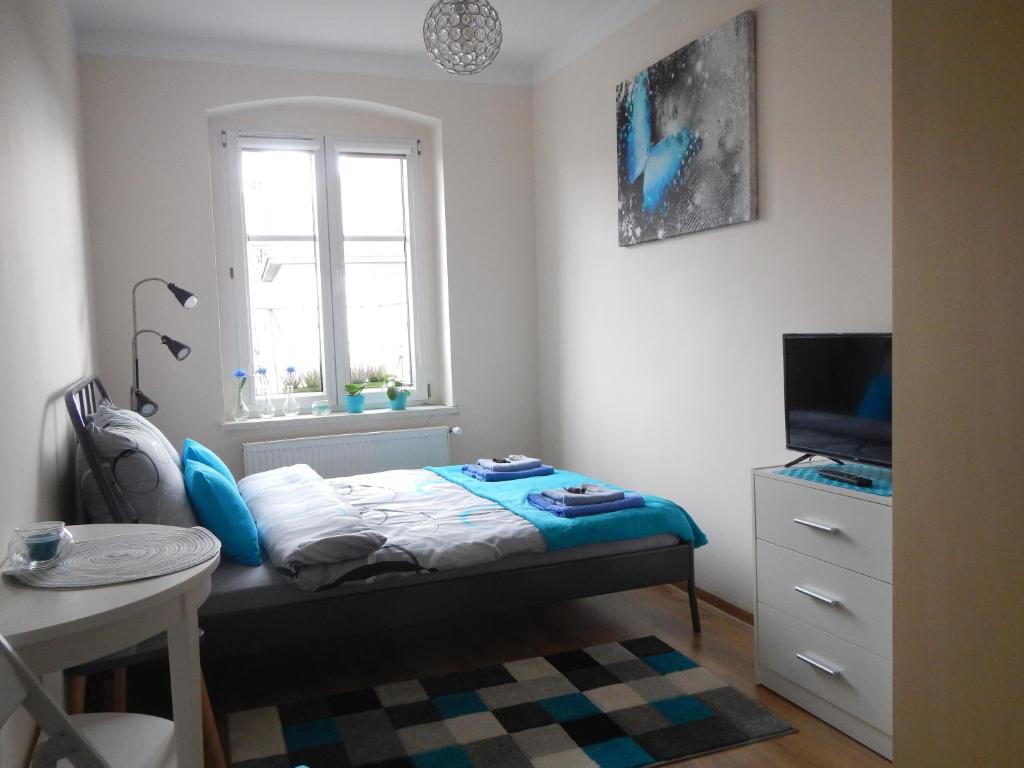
(255, 609)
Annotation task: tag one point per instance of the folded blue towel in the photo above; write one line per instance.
(629, 501)
(581, 495)
(511, 463)
(478, 472)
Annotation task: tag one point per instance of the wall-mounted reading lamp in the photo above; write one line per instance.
(139, 401)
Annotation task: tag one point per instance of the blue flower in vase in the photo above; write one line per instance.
(241, 411)
(291, 381)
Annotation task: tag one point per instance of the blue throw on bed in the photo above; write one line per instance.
(656, 516)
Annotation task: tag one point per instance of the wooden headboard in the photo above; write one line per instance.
(83, 399)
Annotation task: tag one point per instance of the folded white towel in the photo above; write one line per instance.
(514, 462)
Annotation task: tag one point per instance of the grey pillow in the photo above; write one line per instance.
(144, 465)
(121, 418)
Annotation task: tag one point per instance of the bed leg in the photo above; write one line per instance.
(691, 589)
(75, 696)
(213, 748)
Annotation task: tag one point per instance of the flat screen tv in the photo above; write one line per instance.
(839, 395)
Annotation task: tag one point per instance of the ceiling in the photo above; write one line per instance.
(534, 30)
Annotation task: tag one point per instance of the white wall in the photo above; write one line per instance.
(46, 338)
(149, 202)
(661, 365)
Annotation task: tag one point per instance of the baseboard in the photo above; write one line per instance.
(721, 604)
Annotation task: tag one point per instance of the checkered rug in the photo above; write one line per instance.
(620, 705)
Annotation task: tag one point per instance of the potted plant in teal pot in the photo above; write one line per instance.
(397, 394)
(354, 397)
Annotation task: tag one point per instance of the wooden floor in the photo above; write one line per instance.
(725, 648)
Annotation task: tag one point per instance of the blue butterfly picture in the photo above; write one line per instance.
(661, 164)
(686, 138)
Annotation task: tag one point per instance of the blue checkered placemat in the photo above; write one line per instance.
(881, 476)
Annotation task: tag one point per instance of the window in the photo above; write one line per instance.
(326, 265)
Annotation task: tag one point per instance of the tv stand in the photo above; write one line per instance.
(807, 456)
(823, 601)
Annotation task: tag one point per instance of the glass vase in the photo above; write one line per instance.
(266, 409)
(241, 411)
(291, 405)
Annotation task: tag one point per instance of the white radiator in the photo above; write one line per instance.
(340, 455)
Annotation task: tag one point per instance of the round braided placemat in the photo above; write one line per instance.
(122, 558)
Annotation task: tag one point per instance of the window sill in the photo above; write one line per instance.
(342, 420)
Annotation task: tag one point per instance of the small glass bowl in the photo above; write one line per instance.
(321, 407)
(39, 545)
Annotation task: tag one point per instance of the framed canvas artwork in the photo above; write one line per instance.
(686, 138)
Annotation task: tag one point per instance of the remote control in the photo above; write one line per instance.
(846, 477)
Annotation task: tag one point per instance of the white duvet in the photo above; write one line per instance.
(429, 524)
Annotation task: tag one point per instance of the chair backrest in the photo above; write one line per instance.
(19, 687)
(12, 689)
(83, 399)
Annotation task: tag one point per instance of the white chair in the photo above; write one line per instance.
(103, 740)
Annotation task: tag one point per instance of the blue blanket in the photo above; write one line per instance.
(656, 516)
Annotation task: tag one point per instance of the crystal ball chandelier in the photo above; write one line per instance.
(462, 38)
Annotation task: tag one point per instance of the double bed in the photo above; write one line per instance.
(454, 549)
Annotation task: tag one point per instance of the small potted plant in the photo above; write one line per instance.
(354, 397)
(397, 394)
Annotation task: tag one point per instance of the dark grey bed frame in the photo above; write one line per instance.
(410, 601)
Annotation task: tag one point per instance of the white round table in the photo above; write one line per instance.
(53, 629)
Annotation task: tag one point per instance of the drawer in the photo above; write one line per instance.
(862, 685)
(851, 532)
(862, 609)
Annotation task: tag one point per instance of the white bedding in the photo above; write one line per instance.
(304, 527)
(442, 524)
(430, 524)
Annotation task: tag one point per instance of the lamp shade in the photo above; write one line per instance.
(143, 405)
(187, 299)
(179, 350)
(462, 37)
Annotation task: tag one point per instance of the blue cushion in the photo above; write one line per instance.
(199, 452)
(220, 508)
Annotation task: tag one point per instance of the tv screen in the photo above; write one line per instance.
(839, 395)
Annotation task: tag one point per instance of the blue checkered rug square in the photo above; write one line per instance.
(619, 705)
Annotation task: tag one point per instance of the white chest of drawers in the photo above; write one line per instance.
(823, 602)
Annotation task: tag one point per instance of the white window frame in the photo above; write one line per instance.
(331, 259)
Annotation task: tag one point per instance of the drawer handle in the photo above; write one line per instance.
(815, 526)
(817, 596)
(819, 666)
